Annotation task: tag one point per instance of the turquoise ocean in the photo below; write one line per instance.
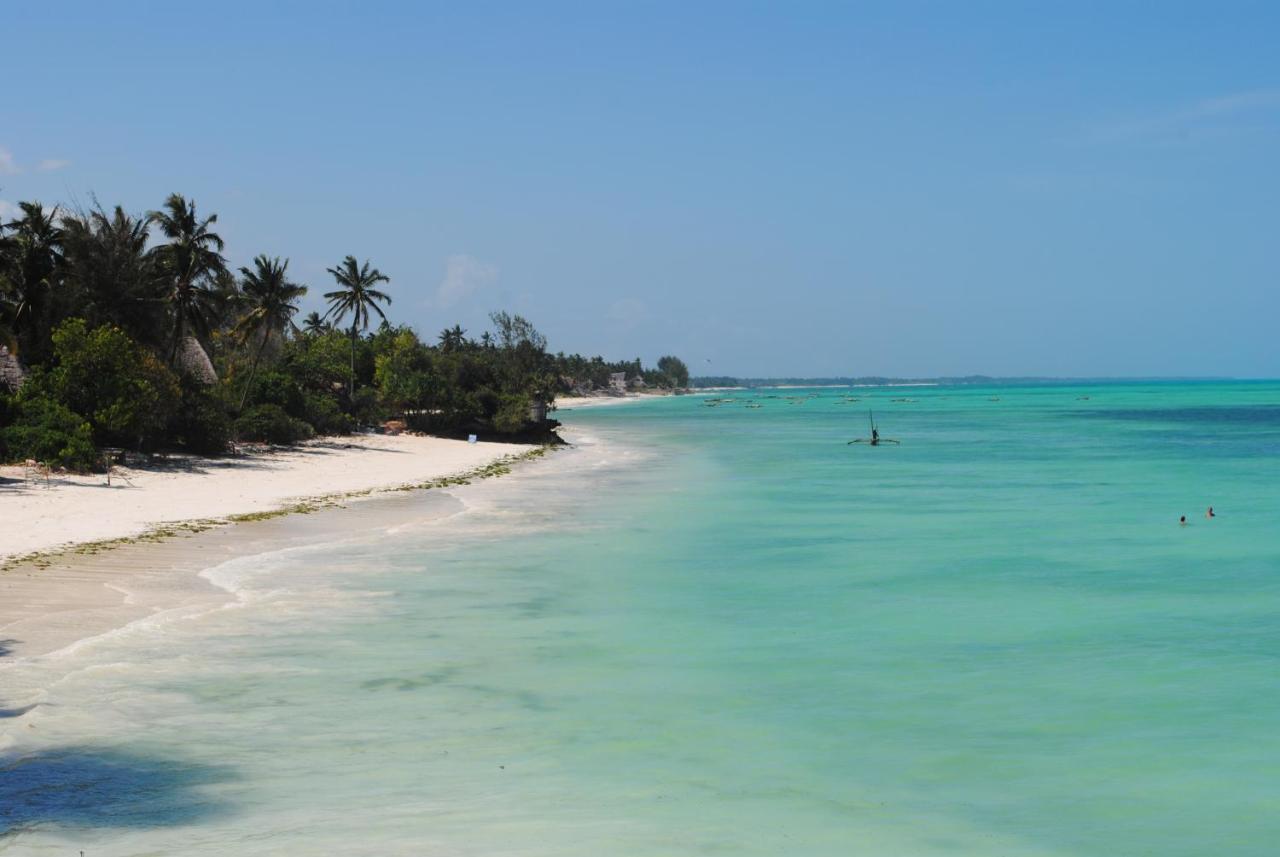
(717, 628)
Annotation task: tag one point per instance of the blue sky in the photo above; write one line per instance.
(763, 188)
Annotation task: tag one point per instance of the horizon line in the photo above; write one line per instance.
(795, 379)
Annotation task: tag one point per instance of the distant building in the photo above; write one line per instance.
(618, 382)
(575, 386)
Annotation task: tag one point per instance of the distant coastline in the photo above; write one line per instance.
(725, 382)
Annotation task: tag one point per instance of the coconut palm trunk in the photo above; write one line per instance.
(253, 367)
(351, 385)
(179, 334)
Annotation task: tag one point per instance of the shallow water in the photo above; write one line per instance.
(723, 630)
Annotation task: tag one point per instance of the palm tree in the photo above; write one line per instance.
(272, 302)
(314, 324)
(191, 262)
(114, 277)
(29, 268)
(452, 338)
(355, 298)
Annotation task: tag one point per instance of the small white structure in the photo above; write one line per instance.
(618, 382)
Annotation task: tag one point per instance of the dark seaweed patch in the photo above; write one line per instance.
(1261, 416)
(88, 787)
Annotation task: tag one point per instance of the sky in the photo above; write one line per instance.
(765, 189)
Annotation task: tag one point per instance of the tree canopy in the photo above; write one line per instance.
(137, 334)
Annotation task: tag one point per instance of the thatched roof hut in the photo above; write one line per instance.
(11, 372)
(193, 361)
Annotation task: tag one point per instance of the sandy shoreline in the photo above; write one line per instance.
(67, 596)
(78, 509)
(576, 402)
(58, 588)
(38, 516)
(48, 608)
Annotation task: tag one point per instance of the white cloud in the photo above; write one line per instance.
(1239, 102)
(464, 276)
(1206, 117)
(8, 211)
(48, 165)
(8, 167)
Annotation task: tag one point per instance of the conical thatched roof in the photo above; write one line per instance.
(11, 372)
(193, 361)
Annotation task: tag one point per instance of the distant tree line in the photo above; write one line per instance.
(703, 381)
(588, 374)
(133, 331)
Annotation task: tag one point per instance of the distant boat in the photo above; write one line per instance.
(875, 439)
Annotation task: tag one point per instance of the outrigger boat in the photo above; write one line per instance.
(875, 439)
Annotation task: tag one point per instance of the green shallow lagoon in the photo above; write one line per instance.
(722, 630)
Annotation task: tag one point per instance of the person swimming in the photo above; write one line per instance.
(1183, 520)
(1209, 513)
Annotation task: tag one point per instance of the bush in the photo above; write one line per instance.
(324, 415)
(675, 370)
(124, 392)
(201, 424)
(271, 424)
(403, 373)
(365, 409)
(513, 413)
(483, 404)
(277, 388)
(50, 433)
(319, 363)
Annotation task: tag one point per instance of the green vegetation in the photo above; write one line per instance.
(272, 424)
(271, 302)
(133, 332)
(674, 370)
(590, 374)
(47, 431)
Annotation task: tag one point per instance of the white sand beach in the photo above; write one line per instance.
(77, 509)
(51, 603)
(577, 402)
